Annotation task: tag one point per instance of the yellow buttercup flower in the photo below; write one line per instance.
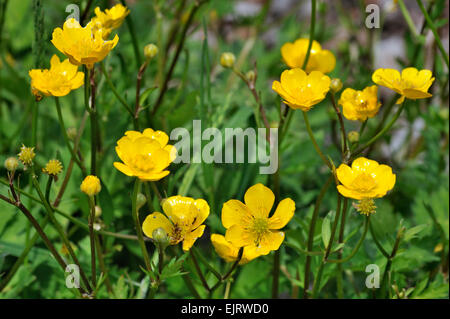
(82, 45)
(26, 155)
(360, 105)
(319, 60)
(300, 90)
(249, 224)
(91, 185)
(110, 19)
(53, 167)
(183, 223)
(229, 253)
(145, 155)
(411, 83)
(59, 80)
(364, 181)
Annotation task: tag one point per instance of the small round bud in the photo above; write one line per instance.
(98, 211)
(91, 185)
(353, 136)
(443, 114)
(150, 51)
(335, 85)
(11, 164)
(140, 200)
(251, 76)
(227, 59)
(160, 238)
(26, 155)
(97, 226)
(72, 133)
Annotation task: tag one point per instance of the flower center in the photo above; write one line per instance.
(364, 182)
(259, 227)
(142, 163)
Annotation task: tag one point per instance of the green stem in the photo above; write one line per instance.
(408, 19)
(316, 287)
(58, 228)
(377, 243)
(230, 272)
(313, 140)
(381, 133)
(312, 227)
(358, 245)
(205, 262)
(435, 33)
(131, 29)
(199, 271)
(311, 33)
(114, 90)
(92, 240)
(340, 289)
(48, 188)
(385, 281)
(275, 274)
(137, 224)
(66, 137)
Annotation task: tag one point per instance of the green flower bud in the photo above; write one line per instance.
(227, 59)
(98, 211)
(336, 85)
(251, 76)
(150, 51)
(140, 200)
(160, 238)
(353, 136)
(11, 164)
(72, 133)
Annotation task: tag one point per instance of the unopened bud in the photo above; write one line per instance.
(353, 137)
(336, 85)
(160, 238)
(443, 114)
(227, 59)
(11, 164)
(140, 200)
(150, 51)
(72, 133)
(251, 76)
(98, 211)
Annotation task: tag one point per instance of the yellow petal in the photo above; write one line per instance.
(345, 174)
(283, 214)
(191, 237)
(123, 168)
(349, 193)
(235, 212)
(272, 240)
(154, 221)
(239, 236)
(259, 199)
(362, 164)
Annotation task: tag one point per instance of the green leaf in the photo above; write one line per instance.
(413, 232)
(326, 229)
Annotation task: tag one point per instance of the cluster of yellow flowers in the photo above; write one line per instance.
(82, 46)
(146, 156)
(302, 87)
